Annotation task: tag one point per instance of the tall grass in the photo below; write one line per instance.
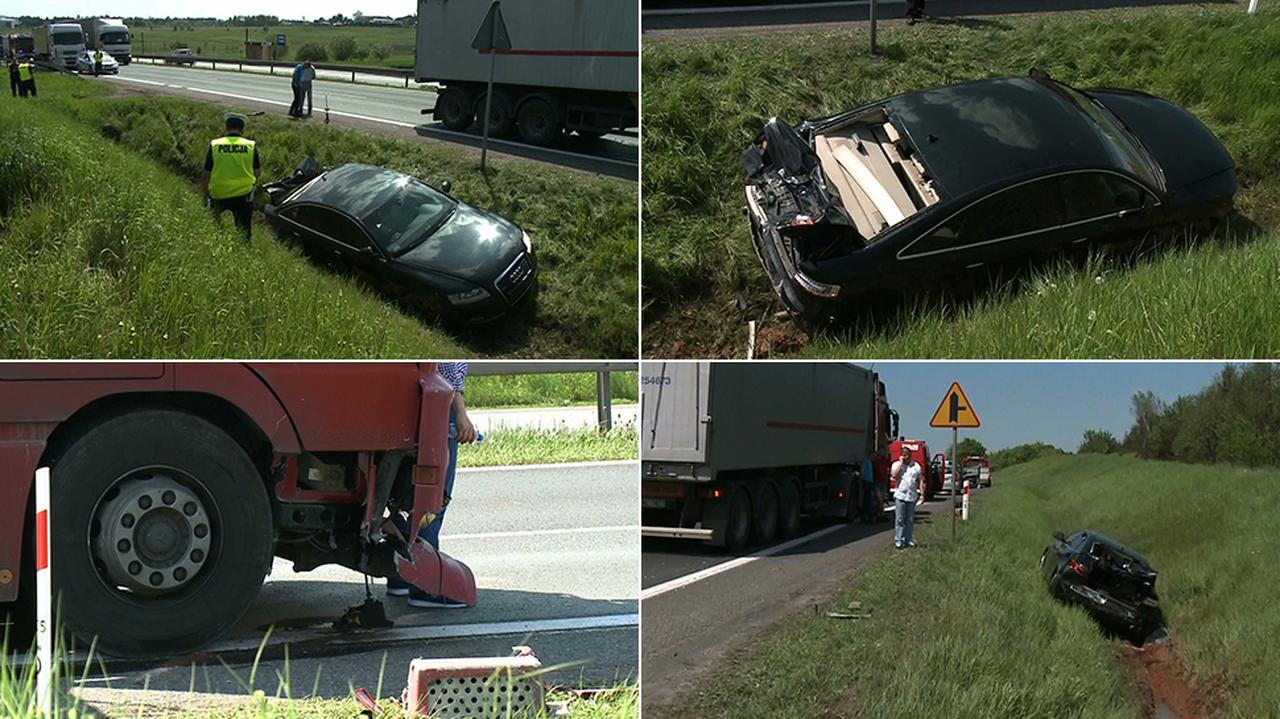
(508, 446)
(969, 629)
(108, 251)
(705, 99)
(546, 390)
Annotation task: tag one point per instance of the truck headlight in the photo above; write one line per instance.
(815, 287)
(528, 243)
(470, 297)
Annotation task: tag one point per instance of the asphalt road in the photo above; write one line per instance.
(692, 632)
(389, 110)
(555, 551)
(766, 14)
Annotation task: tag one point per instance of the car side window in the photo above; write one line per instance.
(1026, 208)
(328, 222)
(1098, 194)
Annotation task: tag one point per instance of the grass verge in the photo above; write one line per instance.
(114, 256)
(546, 390)
(705, 99)
(534, 446)
(970, 628)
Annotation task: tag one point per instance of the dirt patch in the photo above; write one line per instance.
(1167, 688)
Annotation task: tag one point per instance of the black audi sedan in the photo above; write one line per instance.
(1111, 581)
(969, 177)
(454, 258)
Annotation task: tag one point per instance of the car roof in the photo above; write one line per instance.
(353, 188)
(987, 132)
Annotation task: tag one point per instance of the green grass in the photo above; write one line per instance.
(971, 627)
(108, 252)
(706, 99)
(510, 446)
(546, 390)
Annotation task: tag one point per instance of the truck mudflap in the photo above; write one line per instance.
(435, 572)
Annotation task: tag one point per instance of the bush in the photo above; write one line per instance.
(344, 48)
(314, 52)
(379, 52)
(1022, 453)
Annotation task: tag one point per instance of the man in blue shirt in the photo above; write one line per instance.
(295, 108)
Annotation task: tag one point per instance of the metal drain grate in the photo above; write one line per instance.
(475, 688)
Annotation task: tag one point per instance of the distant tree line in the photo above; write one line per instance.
(1022, 453)
(1235, 420)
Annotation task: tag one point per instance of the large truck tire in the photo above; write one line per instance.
(788, 510)
(764, 524)
(161, 533)
(456, 108)
(737, 532)
(540, 119)
(501, 118)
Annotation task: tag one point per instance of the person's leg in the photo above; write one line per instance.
(432, 532)
(32, 83)
(309, 103)
(899, 515)
(242, 210)
(910, 528)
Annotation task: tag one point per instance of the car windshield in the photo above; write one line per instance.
(397, 210)
(114, 38)
(1125, 149)
(67, 38)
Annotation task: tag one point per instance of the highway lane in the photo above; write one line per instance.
(392, 110)
(687, 16)
(690, 631)
(554, 549)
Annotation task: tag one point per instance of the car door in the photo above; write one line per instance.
(333, 234)
(1103, 206)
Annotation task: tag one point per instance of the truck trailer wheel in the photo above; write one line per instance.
(765, 525)
(540, 120)
(456, 108)
(500, 114)
(788, 510)
(161, 533)
(737, 532)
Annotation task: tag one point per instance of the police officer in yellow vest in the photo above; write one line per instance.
(97, 62)
(27, 78)
(232, 167)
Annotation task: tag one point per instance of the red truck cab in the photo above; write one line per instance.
(174, 484)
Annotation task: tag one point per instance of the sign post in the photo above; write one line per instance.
(490, 38)
(956, 411)
(872, 10)
(45, 635)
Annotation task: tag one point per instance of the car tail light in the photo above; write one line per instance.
(1078, 568)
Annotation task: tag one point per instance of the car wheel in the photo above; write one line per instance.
(500, 119)
(162, 533)
(765, 525)
(788, 510)
(456, 108)
(540, 120)
(737, 533)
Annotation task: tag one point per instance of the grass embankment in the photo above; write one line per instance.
(969, 630)
(546, 390)
(706, 99)
(536, 446)
(109, 253)
(381, 46)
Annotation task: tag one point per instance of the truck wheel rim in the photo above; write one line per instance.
(151, 534)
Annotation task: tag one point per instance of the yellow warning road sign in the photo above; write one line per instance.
(956, 410)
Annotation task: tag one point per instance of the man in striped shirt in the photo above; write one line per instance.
(461, 431)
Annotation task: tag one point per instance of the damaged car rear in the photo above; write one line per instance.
(972, 177)
(1113, 582)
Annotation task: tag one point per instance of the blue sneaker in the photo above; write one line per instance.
(397, 587)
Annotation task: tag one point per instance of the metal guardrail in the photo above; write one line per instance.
(240, 63)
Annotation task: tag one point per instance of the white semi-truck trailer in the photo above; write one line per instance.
(60, 43)
(110, 35)
(733, 453)
(573, 66)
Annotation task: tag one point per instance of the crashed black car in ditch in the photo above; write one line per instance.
(972, 177)
(446, 256)
(1113, 582)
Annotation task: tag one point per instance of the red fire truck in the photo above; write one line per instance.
(174, 484)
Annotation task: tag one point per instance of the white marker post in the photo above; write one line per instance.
(45, 636)
(964, 503)
(1253, 7)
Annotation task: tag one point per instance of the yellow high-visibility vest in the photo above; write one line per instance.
(25, 71)
(232, 174)
(97, 56)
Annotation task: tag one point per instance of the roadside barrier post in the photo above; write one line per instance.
(872, 10)
(955, 474)
(44, 598)
(1253, 7)
(964, 503)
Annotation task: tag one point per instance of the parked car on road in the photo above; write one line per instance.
(448, 257)
(1113, 582)
(181, 56)
(972, 178)
(84, 63)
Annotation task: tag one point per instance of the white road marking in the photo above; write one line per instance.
(711, 571)
(556, 465)
(540, 532)
(445, 631)
(764, 8)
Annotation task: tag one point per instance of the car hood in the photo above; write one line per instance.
(1186, 150)
(473, 245)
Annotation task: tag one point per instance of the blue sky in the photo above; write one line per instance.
(1019, 402)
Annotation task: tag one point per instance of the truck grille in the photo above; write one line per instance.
(518, 277)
